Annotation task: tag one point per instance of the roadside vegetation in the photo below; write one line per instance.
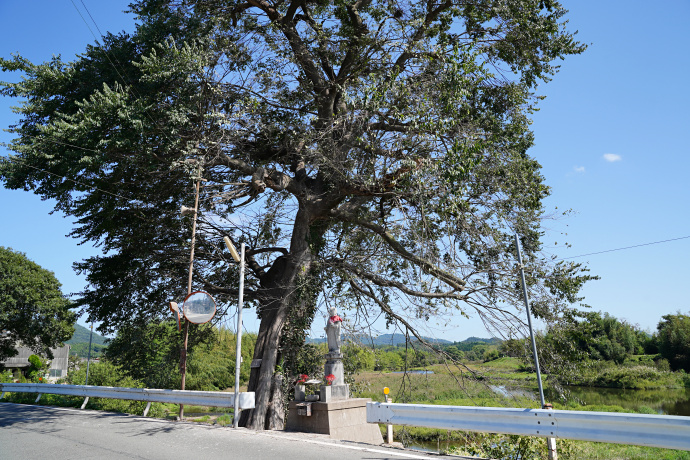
(598, 350)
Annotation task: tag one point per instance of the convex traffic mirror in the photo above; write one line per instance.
(199, 307)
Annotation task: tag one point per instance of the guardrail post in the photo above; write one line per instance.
(86, 400)
(38, 398)
(389, 427)
(146, 411)
(551, 442)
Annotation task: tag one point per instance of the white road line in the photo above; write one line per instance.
(392, 452)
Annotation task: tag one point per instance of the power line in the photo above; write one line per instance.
(627, 247)
(17, 160)
(92, 19)
(109, 55)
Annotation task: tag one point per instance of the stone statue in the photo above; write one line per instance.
(334, 371)
(333, 331)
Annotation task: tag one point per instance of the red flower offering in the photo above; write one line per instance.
(329, 379)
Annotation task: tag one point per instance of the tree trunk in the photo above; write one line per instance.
(277, 290)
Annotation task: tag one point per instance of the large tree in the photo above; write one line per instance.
(373, 152)
(33, 311)
(673, 340)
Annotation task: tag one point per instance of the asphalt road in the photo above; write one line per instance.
(47, 433)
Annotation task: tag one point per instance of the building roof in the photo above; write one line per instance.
(60, 358)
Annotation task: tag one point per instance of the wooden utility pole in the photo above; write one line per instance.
(183, 354)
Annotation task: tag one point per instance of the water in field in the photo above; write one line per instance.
(413, 372)
(662, 401)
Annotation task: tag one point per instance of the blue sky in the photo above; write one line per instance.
(610, 136)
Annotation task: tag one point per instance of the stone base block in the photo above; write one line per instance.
(331, 393)
(336, 368)
(345, 420)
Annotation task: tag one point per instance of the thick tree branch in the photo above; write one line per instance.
(384, 282)
(429, 268)
(431, 16)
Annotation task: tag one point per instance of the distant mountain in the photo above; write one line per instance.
(399, 339)
(385, 340)
(491, 341)
(79, 343)
(81, 335)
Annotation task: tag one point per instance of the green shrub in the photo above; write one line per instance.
(6, 377)
(224, 420)
(662, 364)
(107, 374)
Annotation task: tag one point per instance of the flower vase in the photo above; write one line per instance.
(299, 392)
(325, 393)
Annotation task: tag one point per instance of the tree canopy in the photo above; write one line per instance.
(598, 336)
(33, 311)
(673, 340)
(368, 153)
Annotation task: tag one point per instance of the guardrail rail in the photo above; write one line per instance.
(666, 431)
(199, 398)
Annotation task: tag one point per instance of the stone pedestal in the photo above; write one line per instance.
(334, 365)
(345, 419)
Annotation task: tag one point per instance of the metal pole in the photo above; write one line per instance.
(550, 442)
(238, 349)
(389, 427)
(183, 358)
(529, 320)
(88, 357)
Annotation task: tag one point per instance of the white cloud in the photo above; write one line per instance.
(611, 157)
(579, 169)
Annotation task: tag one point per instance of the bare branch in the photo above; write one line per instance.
(427, 267)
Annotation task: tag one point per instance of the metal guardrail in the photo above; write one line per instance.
(666, 431)
(199, 398)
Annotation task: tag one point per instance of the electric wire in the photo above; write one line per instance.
(17, 160)
(624, 248)
(108, 56)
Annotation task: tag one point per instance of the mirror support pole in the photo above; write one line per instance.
(183, 354)
(238, 349)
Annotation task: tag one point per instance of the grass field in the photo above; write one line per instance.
(499, 383)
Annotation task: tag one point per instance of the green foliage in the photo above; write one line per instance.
(599, 337)
(148, 353)
(224, 420)
(211, 365)
(508, 447)
(673, 340)
(389, 361)
(33, 310)
(309, 360)
(629, 377)
(107, 374)
(83, 335)
(37, 369)
(151, 354)
(358, 358)
(6, 377)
